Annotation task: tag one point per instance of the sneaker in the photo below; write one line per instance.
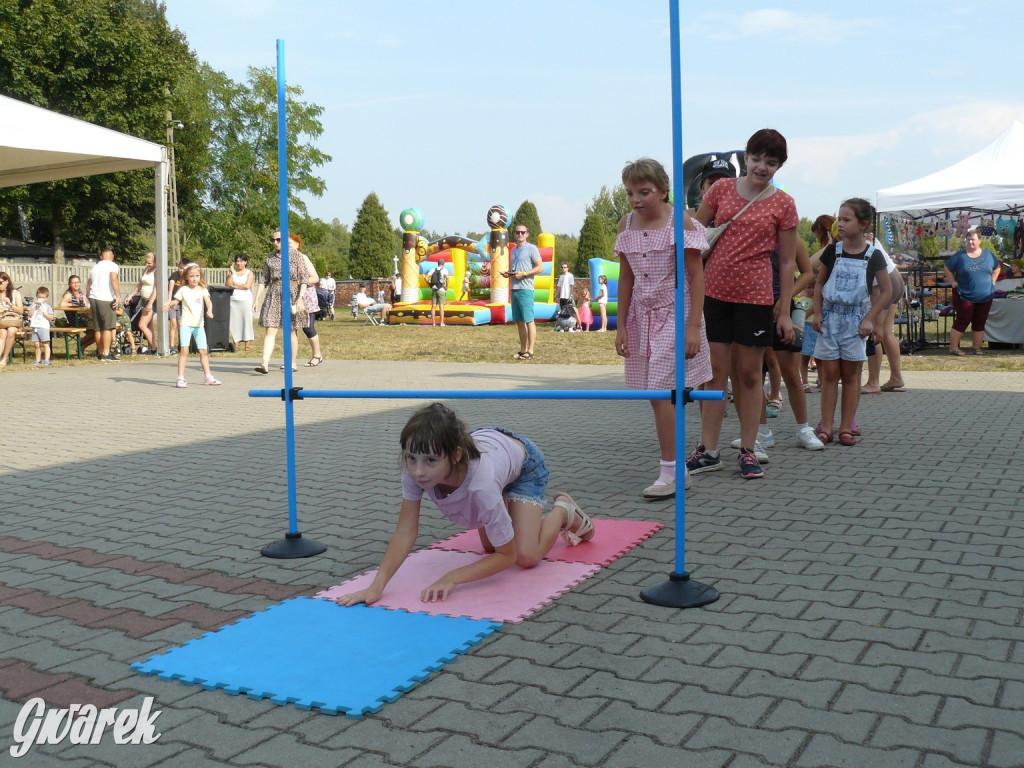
(37, 362)
(764, 439)
(807, 439)
(46, 362)
(661, 490)
(749, 466)
(211, 382)
(702, 461)
(759, 449)
(181, 383)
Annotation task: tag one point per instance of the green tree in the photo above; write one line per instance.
(930, 248)
(566, 249)
(594, 242)
(241, 190)
(329, 242)
(115, 64)
(611, 205)
(803, 231)
(527, 214)
(373, 244)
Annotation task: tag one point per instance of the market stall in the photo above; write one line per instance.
(984, 190)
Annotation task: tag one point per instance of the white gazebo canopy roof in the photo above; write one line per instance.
(39, 145)
(990, 181)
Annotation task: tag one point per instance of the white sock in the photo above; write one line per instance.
(764, 430)
(801, 426)
(668, 472)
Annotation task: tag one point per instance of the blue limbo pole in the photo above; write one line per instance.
(293, 545)
(679, 591)
(485, 394)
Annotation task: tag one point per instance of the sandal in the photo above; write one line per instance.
(578, 526)
(314, 362)
(957, 352)
(775, 403)
(821, 434)
(261, 369)
(847, 438)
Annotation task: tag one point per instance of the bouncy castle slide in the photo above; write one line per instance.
(483, 262)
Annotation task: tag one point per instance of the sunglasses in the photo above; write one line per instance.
(520, 232)
(276, 239)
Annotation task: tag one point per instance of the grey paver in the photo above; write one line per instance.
(869, 612)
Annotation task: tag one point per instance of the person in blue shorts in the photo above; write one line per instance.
(524, 263)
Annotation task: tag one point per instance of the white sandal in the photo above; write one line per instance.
(578, 526)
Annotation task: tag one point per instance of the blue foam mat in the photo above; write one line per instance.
(316, 653)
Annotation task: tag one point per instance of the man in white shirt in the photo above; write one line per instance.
(329, 284)
(104, 291)
(365, 302)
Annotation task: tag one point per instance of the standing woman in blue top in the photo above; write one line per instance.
(973, 273)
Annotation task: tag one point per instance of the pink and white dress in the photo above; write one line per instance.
(651, 325)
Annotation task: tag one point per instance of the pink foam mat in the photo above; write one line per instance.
(612, 539)
(510, 596)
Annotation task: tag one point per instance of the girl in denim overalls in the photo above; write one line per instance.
(845, 314)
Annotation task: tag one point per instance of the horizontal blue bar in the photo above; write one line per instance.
(488, 394)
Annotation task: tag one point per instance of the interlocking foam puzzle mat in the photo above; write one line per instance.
(315, 653)
(612, 539)
(510, 595)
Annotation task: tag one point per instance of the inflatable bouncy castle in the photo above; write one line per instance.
(482, 262)
(609, 269)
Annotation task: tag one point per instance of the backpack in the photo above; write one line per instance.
(436, 278)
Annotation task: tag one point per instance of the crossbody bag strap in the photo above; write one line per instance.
(749, 204)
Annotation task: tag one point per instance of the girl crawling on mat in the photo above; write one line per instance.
(491, 479)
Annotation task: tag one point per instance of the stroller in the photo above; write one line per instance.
(127, 335)
(323, 300)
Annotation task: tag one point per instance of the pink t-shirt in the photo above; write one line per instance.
(478, 502)
(740, 267)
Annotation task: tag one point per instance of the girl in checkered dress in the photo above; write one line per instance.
(646, 332)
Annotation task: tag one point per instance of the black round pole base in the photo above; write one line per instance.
(679, 592)
(293, 545)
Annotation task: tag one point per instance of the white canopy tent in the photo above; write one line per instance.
(990, 181)
(38, 145)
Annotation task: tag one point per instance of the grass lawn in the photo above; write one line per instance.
(347, 339)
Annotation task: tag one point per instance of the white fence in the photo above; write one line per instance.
(28, 277)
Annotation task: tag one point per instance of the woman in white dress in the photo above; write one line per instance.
(241, 278)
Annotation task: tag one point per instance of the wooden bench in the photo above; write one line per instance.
(69, 334)
(19, 340)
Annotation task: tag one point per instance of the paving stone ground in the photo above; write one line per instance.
(872, 609)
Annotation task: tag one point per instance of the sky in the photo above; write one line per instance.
(454, 106)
